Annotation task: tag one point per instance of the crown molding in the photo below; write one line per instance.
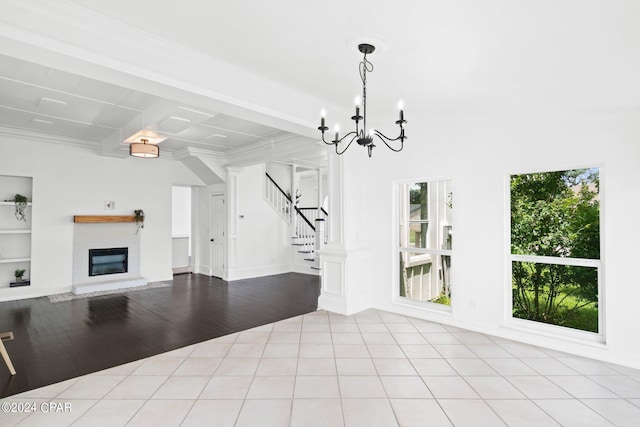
(232, 171)
(48, 138)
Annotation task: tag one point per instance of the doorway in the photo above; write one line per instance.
(216, 236)
(181, 229)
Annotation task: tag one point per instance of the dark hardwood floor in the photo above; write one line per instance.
(57, 341)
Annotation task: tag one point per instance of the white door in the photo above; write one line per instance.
(216, 236)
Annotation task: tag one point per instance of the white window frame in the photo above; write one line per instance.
(421, 252)
(548, 329)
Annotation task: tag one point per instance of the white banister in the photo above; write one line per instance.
(278, 200)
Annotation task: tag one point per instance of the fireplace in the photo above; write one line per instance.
(108, 261)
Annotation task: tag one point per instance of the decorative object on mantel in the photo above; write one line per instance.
(365, 138)
(21, 204)
(19, 273)
(139, 217)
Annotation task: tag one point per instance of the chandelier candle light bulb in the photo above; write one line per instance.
(360, 135)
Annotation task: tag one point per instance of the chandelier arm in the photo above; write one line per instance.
(340, 140)
(384, 139)
(348, 145)
(346, 136)
(328, 143)
(381, 136)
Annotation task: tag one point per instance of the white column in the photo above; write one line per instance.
(345, 260)
(294, 188)
(320, 193)
(319, 225)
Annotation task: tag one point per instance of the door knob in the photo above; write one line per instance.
(212, 240)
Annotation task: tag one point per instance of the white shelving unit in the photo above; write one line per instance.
(15, 235)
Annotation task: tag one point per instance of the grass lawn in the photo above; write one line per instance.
(583, 318)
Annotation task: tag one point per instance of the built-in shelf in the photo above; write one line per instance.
(104, 218)
(13, 260)
(11, 204)
(15, 231)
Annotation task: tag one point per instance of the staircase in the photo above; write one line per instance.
(307, 223)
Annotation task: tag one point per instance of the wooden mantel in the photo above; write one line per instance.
(103, 218)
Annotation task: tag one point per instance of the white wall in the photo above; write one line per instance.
(281, 174)
(181, 211)
(263, 243)
(478, 154)
(308, 186)
(71, 181)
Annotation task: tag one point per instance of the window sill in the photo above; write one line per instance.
(556, 332)
(423, 305)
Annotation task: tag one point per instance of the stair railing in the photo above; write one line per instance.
(304, 219)
(278, 199)
(313, 214)
(305, 232)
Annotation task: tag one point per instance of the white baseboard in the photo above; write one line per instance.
(268, 270)
(13, 294)
(181, 270)
(305, 269)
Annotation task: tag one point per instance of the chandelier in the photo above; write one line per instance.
(360, 135)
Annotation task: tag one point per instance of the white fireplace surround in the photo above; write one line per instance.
(100, 236)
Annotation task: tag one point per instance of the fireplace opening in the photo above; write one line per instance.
(108, 261)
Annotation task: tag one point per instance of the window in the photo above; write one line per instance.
(555, 248)
(425, 241)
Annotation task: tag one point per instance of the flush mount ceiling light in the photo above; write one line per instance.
(152, 137)
(360, 135)
(144, 143)
(144, 149)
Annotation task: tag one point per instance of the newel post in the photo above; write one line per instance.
(319, 224)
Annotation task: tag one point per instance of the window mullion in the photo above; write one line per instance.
(583, 262)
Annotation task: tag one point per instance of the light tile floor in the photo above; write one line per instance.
(321, 369)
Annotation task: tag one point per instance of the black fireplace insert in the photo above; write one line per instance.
(108, 261)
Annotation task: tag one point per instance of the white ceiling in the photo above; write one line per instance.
(41, 99)
(440, 57)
